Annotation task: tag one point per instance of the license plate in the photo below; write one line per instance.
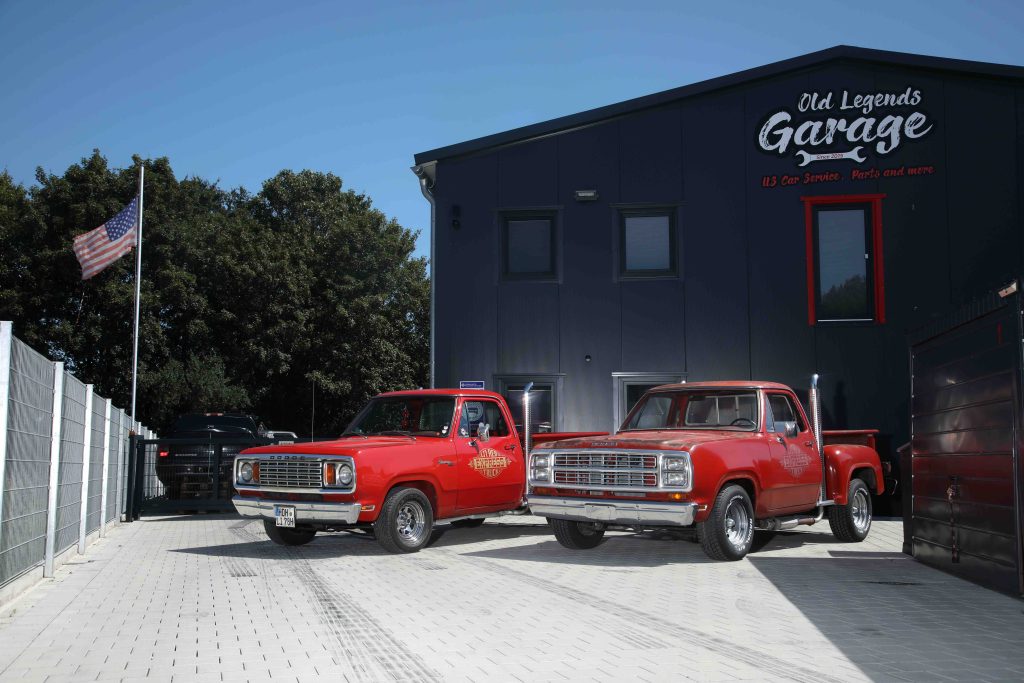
(284, 515)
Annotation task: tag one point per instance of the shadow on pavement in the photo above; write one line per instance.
(627, 552)
(327, 545)
(895, 618)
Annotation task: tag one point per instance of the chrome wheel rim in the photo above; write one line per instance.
(411, 522)
(860, 510)
(737, 524)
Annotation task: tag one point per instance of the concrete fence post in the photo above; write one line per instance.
(104, 485)
(86, 457)
(6, 335)
(51, 505)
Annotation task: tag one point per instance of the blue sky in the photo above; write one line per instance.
(237, 91)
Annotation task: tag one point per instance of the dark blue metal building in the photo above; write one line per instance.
(801, 216)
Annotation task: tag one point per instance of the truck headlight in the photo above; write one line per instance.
(339, 474)
(540, 467)
(245, 473)
(675, 479)
(677, 471)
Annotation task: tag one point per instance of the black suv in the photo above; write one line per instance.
(197, 459)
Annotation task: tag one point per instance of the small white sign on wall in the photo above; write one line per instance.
(472, 384)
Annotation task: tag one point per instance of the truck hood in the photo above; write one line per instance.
(347, 445)
(673, 440)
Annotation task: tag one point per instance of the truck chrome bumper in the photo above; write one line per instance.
(629, 512)
(305, 512)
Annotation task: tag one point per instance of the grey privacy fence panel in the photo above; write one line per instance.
(99, 435)
(72, 446)
(113, 478)
(122, 482)
(27, 462)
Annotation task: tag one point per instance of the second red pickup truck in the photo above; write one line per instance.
(725, 459)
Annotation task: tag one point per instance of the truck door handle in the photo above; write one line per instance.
(450, 463)
(510, 447)
(780, 440)
(808, 443)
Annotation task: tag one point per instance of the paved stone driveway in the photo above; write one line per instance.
(209, 598)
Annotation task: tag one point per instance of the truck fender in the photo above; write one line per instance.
(430, 487)
(842, 461)
(745, 478)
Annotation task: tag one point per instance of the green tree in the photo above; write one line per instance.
(246, 300)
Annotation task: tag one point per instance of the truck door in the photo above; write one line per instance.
(795, 467)
(491, 472)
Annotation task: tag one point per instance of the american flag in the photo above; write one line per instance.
(98, 248)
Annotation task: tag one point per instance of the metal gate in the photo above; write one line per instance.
(183, 475)
(966, 443)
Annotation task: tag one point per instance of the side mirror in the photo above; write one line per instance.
(790, 429)
(483, 432)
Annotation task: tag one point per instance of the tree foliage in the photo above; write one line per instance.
(248, 301)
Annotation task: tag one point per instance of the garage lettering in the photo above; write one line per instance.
(809, 139)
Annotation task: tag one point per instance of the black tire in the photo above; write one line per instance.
(468, 523)
(851, 523)
(406, 521)
(577, 535)
(728, 532)
(285, 536)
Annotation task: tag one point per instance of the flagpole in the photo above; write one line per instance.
(138, 290)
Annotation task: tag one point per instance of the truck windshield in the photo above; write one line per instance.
(731, 409)
(411, 415)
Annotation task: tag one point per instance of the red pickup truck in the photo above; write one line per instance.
(409, 460)
(724, 458)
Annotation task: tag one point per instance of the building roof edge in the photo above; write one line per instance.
(604, 113)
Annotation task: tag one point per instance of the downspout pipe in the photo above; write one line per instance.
(427, 188)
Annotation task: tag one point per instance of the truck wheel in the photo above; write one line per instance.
(576, 535)
(729, 530)
(406, 521)
(851, 522)
(285, 536)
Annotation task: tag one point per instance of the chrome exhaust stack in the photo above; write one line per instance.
(814, 401)
(527, 438)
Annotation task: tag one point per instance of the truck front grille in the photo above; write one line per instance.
(302, 474)
(606, 470)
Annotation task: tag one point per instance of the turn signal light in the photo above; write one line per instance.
(676, 496)
(164, 454)
(330, 475)
(255, 473)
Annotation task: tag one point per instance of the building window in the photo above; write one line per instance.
(647, 243)
(844, 259)
(529, 246)
(543, 400)
(629, 387)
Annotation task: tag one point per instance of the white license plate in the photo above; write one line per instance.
(284, 515)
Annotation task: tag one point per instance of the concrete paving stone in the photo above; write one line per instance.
(505, 602)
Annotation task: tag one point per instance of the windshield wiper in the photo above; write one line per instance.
(355, 434)
(397, 432)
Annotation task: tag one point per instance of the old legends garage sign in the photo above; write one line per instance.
(843, 126)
